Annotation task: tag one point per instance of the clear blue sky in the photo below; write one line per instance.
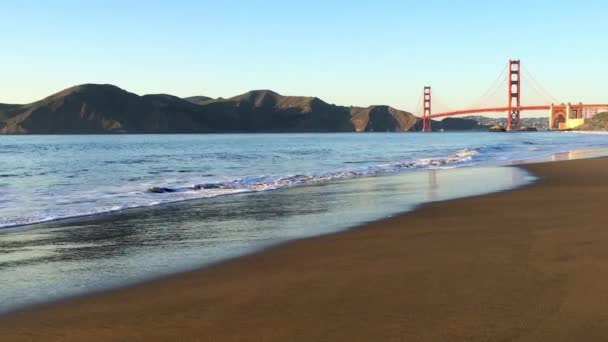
(346, 52)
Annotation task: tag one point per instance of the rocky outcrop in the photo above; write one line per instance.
(497, 128)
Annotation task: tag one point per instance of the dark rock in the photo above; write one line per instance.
(497, 128)
(208, 186)
(160, 190)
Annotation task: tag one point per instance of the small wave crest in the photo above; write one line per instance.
(262, 183)
(587, 132)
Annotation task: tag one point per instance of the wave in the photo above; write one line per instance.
(165, 194)
(262, 183)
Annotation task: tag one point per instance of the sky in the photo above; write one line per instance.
(345, 52)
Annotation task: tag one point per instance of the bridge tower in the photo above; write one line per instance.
(514, 92)
(426, 111)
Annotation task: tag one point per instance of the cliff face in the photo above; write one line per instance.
(93, 108)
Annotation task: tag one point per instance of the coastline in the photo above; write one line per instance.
(503, 265)
(48, 263)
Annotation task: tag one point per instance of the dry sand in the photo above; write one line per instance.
(524, 265)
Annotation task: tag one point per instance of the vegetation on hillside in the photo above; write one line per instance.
(599, 122)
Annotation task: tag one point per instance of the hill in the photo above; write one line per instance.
(198, 99)
(382, 119)
(599, 122)
(267, 111)
(540, 123)
(105, 108)
(459, 124)
(102, 108)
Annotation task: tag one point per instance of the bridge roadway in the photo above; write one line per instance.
(506, 109)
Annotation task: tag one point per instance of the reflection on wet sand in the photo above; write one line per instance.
(50, 261)
(569, 155)
(433, 185)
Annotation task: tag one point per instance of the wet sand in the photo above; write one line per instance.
(525, 265)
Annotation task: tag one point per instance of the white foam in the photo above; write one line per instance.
(136, 196)
(588, 132)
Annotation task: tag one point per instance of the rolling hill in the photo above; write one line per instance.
(105, 108)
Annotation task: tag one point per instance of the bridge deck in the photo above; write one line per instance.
(505, 109)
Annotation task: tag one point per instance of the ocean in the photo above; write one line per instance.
(81, 213)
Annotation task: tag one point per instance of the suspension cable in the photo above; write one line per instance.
(437, 103)
(494, 86)
(540, 86)
(419, 105)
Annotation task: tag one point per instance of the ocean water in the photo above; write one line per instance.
(45, 178)
(86, 213)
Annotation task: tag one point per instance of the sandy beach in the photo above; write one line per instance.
(525, 265)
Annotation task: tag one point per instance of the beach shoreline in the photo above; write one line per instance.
(466, 269)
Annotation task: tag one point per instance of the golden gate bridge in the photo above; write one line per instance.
(562, 115)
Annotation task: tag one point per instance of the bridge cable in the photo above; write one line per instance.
(494, 87)
(539, 85)
(534, 87)
(418, 108)
(438, 103)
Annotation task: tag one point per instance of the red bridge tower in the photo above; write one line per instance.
(514, 98)
(426, 113)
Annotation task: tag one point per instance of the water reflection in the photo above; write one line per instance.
(50, 261)
(569, 155)
(433, 186)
